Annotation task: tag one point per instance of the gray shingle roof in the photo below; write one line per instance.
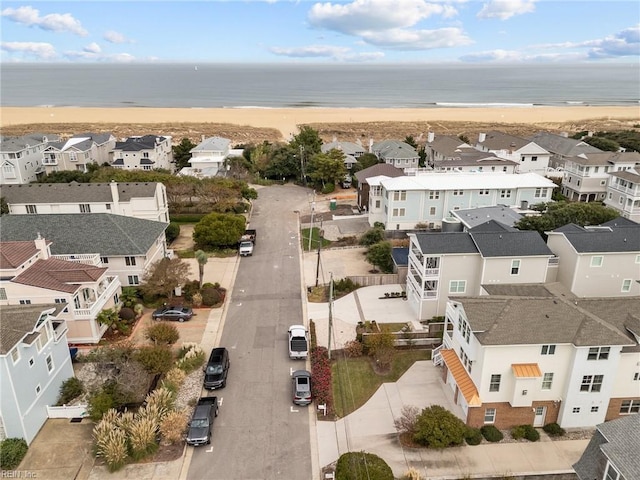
(473, 217)
(534, 320)
(518, 290)
(449, 145)
(212, 144)
(348, 148)
(567, 147)
(495, 140)
(446, 242)
(16, 321)
(34, 193)
(378, 169)
(16, 144)
(492, 226)
(394, 149)
(474, 159)
(510, 244)
(629, 175)
(613, 239)
(103, 233)
(134, 144)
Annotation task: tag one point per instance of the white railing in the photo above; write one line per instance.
(67, 411)
(99, 303)
(85, 258)
(59, 329)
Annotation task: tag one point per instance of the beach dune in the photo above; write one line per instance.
(288, 120)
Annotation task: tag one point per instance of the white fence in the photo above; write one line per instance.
(67, 411)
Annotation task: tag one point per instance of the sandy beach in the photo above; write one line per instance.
(287, 120)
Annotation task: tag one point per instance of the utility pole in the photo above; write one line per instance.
(313, 208)
(304, 177)
(330, 314)
(319, 248)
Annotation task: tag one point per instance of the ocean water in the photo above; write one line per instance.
(317, 86)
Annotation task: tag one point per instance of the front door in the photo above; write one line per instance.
(538, 420)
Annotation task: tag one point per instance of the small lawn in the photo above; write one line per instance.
(315, 239)
(355, 381)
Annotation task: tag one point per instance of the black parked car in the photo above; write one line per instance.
(177, 313)
(215, 372)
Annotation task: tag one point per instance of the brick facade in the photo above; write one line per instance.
(508, 416)
(613, 410)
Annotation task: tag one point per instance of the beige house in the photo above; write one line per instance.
(623, 193)
(148, 152)
(31, 276)
(443, 266)
(78, 152)
(147, 200)
(447, 153)
(598, 261)
(529, 156)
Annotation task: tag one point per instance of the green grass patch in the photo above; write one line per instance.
(315, 239)
(355, 381)
(391, 327)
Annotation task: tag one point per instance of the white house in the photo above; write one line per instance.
(598, 261)
(78, 152)
(536, 359)
(623, 193)
(394, 152)
(146, 200)
(34, 362)
(529, 156)
(148, 152)
(208, 157)
(126, 246)
(447, 153)
(402, 202)
(21, 158)
(561, 147)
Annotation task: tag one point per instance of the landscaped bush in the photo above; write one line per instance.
(70, 389)
(190, 357)
(553, 429)
(111, 445)
(408, 419)
(353, 349)
(344, 286)
(439, 428)
(172, 232)
(473, 436)
(173, 426)
(321, 386)
(189, 289)
(162, 333)
(362, 466)
(173, 379)
(525, 431)
(211, 296)
(372, 236)
(99, 403)
(12, 451)
(328, 188)
(127, 314)
(491, 433)
(156, 359)
(142, 437)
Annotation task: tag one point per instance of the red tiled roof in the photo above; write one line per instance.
(60, 275)
(14, 254)
(462, 378)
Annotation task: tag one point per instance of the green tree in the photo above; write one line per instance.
(219, 230)
(284, 163)
(362, 466)
(558, 214)
(327, 168)
(182, 153)
(436, 427)
(112, 320)
(309, 139)
(381, 348)
(365, 160)
(202, 259)
(66, 176)
(379, 255)
(164, 276)
(372, 236)
(602, 143)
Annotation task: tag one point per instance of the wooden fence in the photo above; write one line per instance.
(375, 279)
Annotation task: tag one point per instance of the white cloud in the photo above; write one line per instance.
(53, 22)
(514, 56)
(326, 51)
(92, 48)
(99, 57)
(400, 39)
(623, 44)
(505, 9)
(112, 36)
(40, 50)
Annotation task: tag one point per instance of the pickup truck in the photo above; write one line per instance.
(247, 242)
(298, 342)
(202, 421)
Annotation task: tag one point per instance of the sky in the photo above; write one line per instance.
(303, 31)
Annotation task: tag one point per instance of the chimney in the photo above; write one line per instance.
(430, 137)
(115, 196)
(482, 137)
(41, 244)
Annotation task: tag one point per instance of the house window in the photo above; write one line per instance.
(483, 192)
(637, 258)
(548, 350)
(636, 376)
(434, 194)
(38, 389)
(107, 206)
(598, 353)
(59, 300)
(494, 384)
(25, 302)
(575, 410)
(457, 286)
(104, 259)
(432, 211)
(130, 261)
(611, 473)
(146, 167)
(630, 406)
(457, 193)
(534, 159)
(3, 293)
(540, 193)
(398, 212)
(547, 381)
(515, 267)
(594, 409)
(31, 209)
(377, 203)
(597, 260)
(31, 362)
(626, 285)
(489, 415)
(73, 157)
(133, 280)
(505, 193)
(400, 195)
(15, 355)
(49, 363)
(591, 383)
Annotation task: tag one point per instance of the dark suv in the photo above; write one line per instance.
(215, 372)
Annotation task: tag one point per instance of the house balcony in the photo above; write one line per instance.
(59, 329)
(632, 192)
(85, 258)
(50, 162)
(92, 307)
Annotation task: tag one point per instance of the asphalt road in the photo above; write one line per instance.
(259, 434)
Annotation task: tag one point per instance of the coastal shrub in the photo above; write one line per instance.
(321, 387)
(473, 436)
(142, 437)
(353, 349)
(112, 447)
(172, 232)
(190, 357)
(189, 289)
(127, 314)
(362, 466)
(162, 333)
(99, 403)
(553, 429)
(408, 419)
(525, 431)
(437, 427)
(372, 236)
(172, 427)
(211, 296)
(491, 433)
(70, 389)
(344, 286)
(155, 359)
(328, 188)
(12, 451)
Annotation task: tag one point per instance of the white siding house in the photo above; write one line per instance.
(21, 158)
(148, 152)
(529, 156)
(208, 157)
(34, 362)
(623, 193)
